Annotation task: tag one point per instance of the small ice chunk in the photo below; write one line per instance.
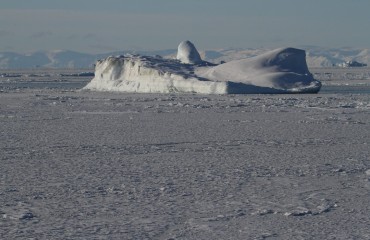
(26, 216)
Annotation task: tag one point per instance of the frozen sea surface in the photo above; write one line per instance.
(88, 165)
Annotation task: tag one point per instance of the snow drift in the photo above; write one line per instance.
(279, 71)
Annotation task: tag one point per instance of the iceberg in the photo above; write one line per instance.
(279, 71)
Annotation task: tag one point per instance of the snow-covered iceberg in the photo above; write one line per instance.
(279, 71)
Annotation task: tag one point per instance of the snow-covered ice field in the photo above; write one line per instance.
(99, 165)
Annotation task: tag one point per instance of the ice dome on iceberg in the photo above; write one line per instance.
(279, 71)
(282, 70)
(187, 53)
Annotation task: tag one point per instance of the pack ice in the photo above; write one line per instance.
(280, 71)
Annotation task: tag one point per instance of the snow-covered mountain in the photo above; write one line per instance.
(60, 58)
(326, 57)
(316, 57)
(46, 59)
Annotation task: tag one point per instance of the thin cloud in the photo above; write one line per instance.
(6, 33)
(104, 48)
(89, 36)
(39, 35)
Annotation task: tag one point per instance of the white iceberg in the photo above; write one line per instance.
(279, 71)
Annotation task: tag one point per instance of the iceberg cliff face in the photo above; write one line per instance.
(279, 71)
(150, 75)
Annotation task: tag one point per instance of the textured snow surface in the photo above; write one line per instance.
(100, 165)
(279, 71)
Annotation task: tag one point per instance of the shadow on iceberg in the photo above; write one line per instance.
(242, 88)
(280, 71)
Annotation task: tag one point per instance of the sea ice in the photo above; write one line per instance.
(279, 71)
(87, 165)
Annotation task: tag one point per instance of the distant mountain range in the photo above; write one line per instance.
(60, 59)
(316, 57)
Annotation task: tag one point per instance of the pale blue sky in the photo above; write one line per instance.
(111, 25)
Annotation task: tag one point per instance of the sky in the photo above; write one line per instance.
(98, 26)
